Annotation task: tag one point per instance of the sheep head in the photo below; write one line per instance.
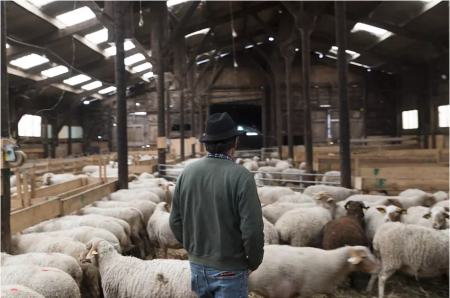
(355, 209)
(438, 216)
(429, 201)
(96, 247)
(392, 213)
(362, 260)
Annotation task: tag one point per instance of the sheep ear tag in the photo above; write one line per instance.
(404, 212)
(317, 198)
(354, 261)
(94, 252)
(426, 216)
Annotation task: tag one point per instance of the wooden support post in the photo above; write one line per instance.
(179, 71)
(122, 141)
(26, 192)
(279, 116)
(53, 139)
(45, 135)
(69, 136)
(306, 35)
(344, 122)
(33, 181)
(5, 183)
(109, 129)
(168, 125)
(182, 136)
(273, 121)
(288, 53)
(264, 115)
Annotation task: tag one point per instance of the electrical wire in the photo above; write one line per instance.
(233, 35)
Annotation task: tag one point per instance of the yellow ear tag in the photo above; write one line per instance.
(94, 252)
(383, 212)
(404, 212)
(317, 198)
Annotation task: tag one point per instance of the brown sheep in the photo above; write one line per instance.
(347, 230)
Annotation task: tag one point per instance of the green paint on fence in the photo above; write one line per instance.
(376, 171)
(329, 167)
(82, 199)
(380, 182)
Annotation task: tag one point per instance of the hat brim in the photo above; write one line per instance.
(221, 137)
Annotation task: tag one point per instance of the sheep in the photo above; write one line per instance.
(268, 195)
(125, 195)
(274, 155)
(259, 176)
(169, 189)
(412, 192)
(270, 233)
(159, 230)
(129, 214)
(47, 281)
(13, 181)
(441, 196)
(240, 161)
(336, 179)
(92, 220)
(157, 278)
(302, 166)
(145, 175)
(382, 201)
(273, 212)
(60, 261)
(288, 271)
(442, 204)
(153, 189)
(147, 183)
(376, 216)
(251, 166)
(89, 169)
(272, 162)
(147, 208)
(21, 244)
(52, 179)
(18, 291)
(302, 226)
(435, 217)
(295, 198)
(347, 230)
(85, 234)
(413, 249)
(338, 193)
(426, 200)
(270, 169)
(286, 174)
(283, 164)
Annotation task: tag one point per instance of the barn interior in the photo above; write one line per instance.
(358, 87)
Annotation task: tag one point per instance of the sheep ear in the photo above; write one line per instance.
(404, 211)
(365, 207)
(382, 210)
(427, 216)
(354, 260)
(346, 205)
(445, 214)
(447, 209)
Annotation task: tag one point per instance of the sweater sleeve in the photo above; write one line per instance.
(251, 223)
(175, 220)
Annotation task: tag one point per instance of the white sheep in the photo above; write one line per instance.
(444, 203)
(157, 278)
(336, 179)
(251, 166)
(132, 216)
(435, 217)
(47, 281)
(271, 170)
(85, 234)
(147, 208)
(296, 198)
(60, 261)
(125, 195)
(425, 200)
(338, 193)
(273, 212)
(441, 196)
(288, 271)
(89, 169)
(287, 175)
(159, 230)
(21, 244)
(270, 233)
(369, 201)
(52, 179)
(145, 175)
(302, 165)
(153, 189)
(283, 165)
(13, 181)
(302, 226)
(413, 249)
(92, 220)
(377, 216)
(269, 195)
(259, 182)
(272, 162)
(18, 291)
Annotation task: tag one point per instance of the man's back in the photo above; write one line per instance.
(216, 215)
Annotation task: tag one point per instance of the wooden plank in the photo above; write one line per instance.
(141, 169)
(398, 184)
(33, 182)
(405, 172)
(18, 186)
(54, 190)
(26, 192)
(33, 215)
(80, 200)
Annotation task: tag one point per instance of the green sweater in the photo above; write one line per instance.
(216, 215)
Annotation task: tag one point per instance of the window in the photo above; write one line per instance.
(444, 113)
(30, 126)
(410, 119)
(77, 132)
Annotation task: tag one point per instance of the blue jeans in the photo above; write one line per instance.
(212, 283)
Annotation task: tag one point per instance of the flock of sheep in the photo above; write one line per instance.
(313, 241)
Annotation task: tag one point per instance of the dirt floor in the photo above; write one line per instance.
(398, 286)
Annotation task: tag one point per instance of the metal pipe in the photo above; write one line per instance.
(344, 123)
(306, 32)
(160, 84)
(182, 118)
(278, 117)
(122, 141)
(69, 137)
(290, 133)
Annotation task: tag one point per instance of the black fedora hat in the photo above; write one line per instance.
(220, 127)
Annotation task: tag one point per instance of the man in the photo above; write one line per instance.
(216, 215)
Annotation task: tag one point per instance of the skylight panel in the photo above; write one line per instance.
(354, 55)
(7, 46)
(127, 45)
(148, 75)
(359, 64)
(203, 31)
(368, 28)
(171, 3)
(54, 71)
(29, 61)
(92, 85)
(98, 36)
(107, 90)
(77, 80)
(134, 58)
(40, 3)
(142, 67)
(76, 16)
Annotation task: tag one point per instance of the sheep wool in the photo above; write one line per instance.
(131, 195)
(18, 291)
(157, 278)
(147, 208)
(159, 230)
(60, 261)
(47, 281)
(296, 198)
(338, 193)
(270, 233)
(288, 271)
(273, 212)
(377, 216)
(302, 227)
(415, 250)
(269, 195)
